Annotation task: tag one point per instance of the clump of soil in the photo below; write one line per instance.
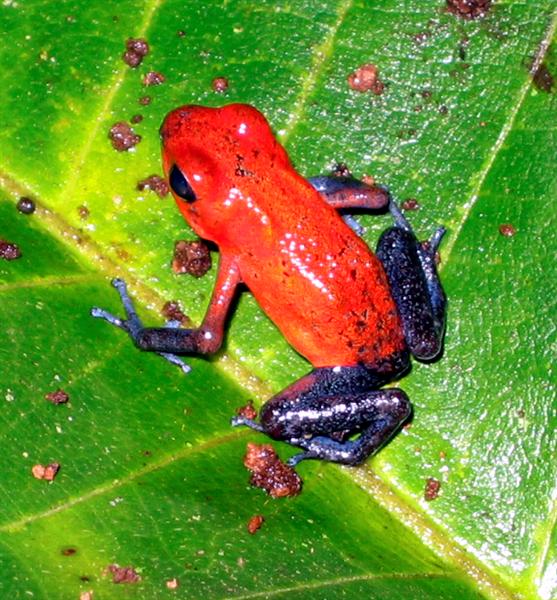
(9, 250)
(220, 85)
(156, 184)
(191, 257)
(432, 487)
(136, 49)
(366, 79)
(123, 137)
(254, 524)
(469, 9)
(123, 574)
(57, 397)
(269, 473)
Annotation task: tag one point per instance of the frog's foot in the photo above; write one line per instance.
(244, 421)
(132, 324)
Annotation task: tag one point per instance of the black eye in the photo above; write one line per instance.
(180, 185)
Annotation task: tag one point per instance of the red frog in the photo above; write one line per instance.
(355, 315)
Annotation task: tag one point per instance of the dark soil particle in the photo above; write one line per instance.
(83, 212)
(181, 33)
(507, 230)
(136, 49)
(9, 250)
(69, 551)
(154, 78)
(136, 119)
(432, 487)
(26, 205)
(156, 184)
(254, 524)
(193, 258)
(366, 79)
(145, 100)
(172, 311)
(248, 411)
(220, 85)
(57, 397)
(543, 79)
(123, 136)
(341, 170)
(269, 473)
(469, 9)
(410, 204)
(123, 574)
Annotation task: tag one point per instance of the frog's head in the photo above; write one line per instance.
(215, 159)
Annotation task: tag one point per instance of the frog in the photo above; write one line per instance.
(357, 316)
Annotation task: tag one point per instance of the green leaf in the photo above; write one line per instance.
(151, 473)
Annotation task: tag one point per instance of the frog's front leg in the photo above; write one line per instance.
(169, 341)
(332, 403)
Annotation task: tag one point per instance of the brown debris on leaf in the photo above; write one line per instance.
(432, 487)
(191, 257)
(46, 472)
(366, 79)
(172, 311)
(543, 79)
(254, 524)
(469, 9)
(269, 473)
(9, 250)
(247, 411)
(136, 49)
(507, 229)
(219, 85)
(123, 137)
(154, 78)
(123, 574)
(57, 397)
(156, 184)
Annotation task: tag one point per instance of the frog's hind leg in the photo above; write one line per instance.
(415, 285)
(326, 406)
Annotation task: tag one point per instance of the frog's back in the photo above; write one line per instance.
(318, 281)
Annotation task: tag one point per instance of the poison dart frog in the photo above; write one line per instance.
(354, 315)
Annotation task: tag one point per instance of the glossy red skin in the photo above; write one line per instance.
(311, 274)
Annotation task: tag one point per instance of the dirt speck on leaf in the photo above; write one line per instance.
(172, 311)
(145, 100)
(46, 472)
(432, 487)
(69, 551)
(269, 473)
(410, 204)
(136, 49)
(254, 524)
(123, 136)
(507, 229)
(154, 78)
(123, 574)
(57, 397)
(26, 205)
(9, 250)
(248, 411)
(172, 584)
(192, 257)
(366, 79)
(155, 183)
(341, 170)
(220, 85)
(469, 9)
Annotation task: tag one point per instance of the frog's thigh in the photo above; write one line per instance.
(416, 290)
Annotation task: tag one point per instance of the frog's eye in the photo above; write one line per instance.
(180, 185)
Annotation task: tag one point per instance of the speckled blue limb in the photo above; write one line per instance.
(132, 324)
(320, 410)
(345, 193)
(415, 284)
